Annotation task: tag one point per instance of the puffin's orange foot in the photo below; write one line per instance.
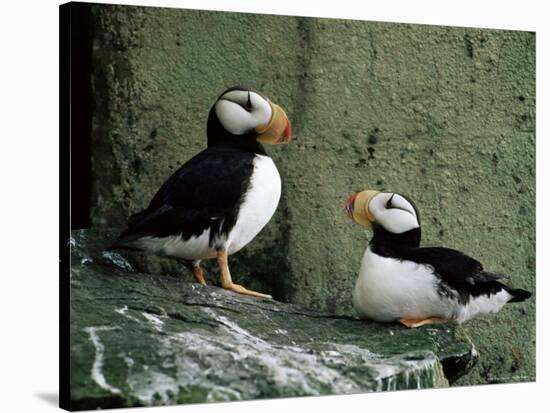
(227, 282)
(412, 323)
(199, 274)
(241, 290)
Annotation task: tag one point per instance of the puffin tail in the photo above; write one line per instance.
(125, 242)
(132, 233)
(518, 295)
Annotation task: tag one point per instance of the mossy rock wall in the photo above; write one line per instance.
(443, 114)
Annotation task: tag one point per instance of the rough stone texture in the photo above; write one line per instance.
(445, 115)
(140, 339)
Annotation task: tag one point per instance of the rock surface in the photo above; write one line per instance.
(142, 339)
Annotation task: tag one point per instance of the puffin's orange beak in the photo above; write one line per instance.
(357, 207)
(287, 133)
(349, 205)
(278, 130)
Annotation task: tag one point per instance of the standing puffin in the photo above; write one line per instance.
(219, 200)
(400, 281)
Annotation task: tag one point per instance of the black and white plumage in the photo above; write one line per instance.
(401, 281)
(219, 200)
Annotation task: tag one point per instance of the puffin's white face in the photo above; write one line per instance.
(391, 211)
(242, 112)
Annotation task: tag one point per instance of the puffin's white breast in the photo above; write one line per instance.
(259, 205)
(483, 304)
(389, 289)
(194, 248)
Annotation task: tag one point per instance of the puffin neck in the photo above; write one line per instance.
(218, 136)
(388, 244)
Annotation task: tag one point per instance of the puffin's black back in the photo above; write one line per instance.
(463, 273)
(207, 191)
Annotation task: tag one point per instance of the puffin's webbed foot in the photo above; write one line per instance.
(227, 282)
(413, 323)
(198, 273)
(241, 290)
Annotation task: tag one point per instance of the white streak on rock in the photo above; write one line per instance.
(151, 385)
(154, 320)
(220, 393)
(124, 311)
(86, 260)
(97, 374)
(118, 260)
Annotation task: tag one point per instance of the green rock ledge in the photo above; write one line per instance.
(142, 339)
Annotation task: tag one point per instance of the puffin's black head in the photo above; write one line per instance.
(393, 212)
(244, 116)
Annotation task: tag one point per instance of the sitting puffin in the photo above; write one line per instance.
(400, 281)
(219, 200)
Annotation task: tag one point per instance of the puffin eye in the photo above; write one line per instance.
(248, 105)
(388, 204)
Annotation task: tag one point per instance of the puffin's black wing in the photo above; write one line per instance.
(462, 273)
(205, 192)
